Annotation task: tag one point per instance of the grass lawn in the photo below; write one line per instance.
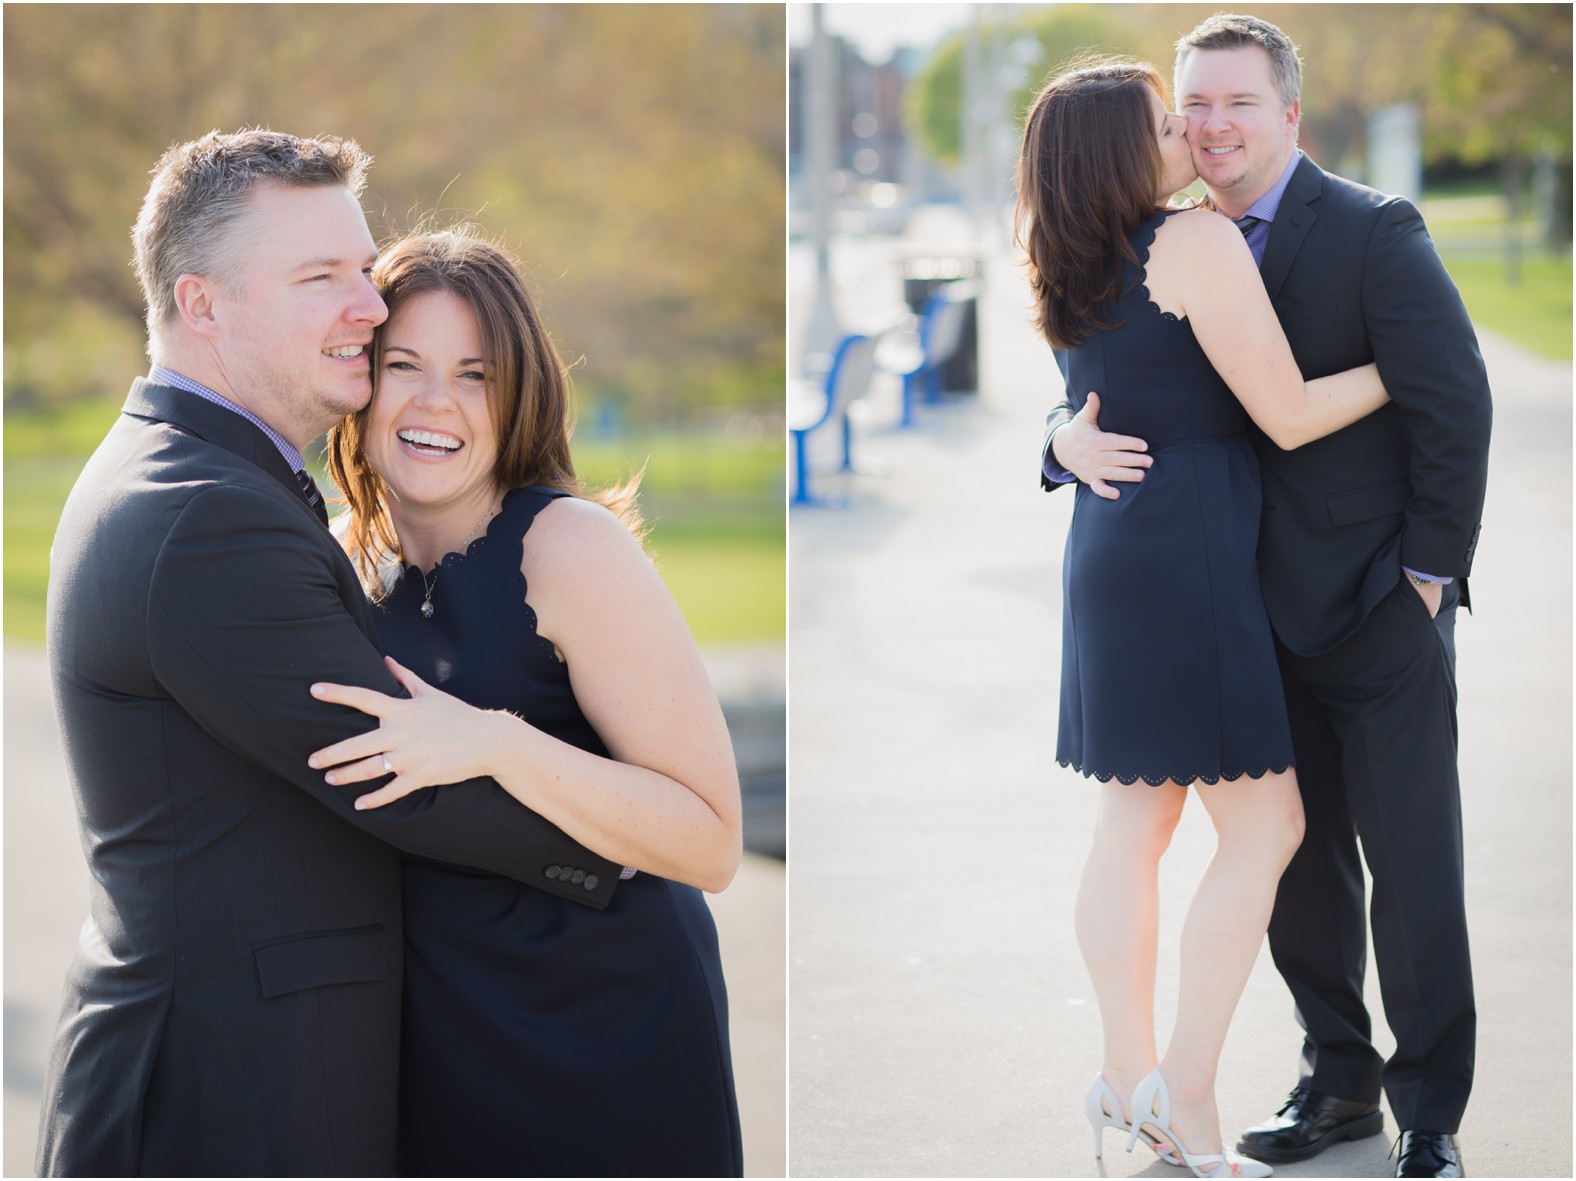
(1469, 230)
(731, 591)
(719, 526)
(1536, 313)
(35, 490)
(1467, 224)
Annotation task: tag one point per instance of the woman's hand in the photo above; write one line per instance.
(430, 739)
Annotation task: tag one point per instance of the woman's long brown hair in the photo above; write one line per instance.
(528, 395)
(1088, 174)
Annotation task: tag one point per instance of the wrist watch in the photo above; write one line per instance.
(1418, 580)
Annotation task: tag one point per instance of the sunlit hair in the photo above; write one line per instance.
(1088, 173)
(527, 389)
(1227, 30)
(196, 206)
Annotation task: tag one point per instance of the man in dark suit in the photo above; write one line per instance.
(234, 1004)
(1366, 541)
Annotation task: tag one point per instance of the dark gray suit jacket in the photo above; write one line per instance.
(1354, 278)
(234, 1004)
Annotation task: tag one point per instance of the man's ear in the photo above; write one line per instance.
(194, 302)
(1294, 116)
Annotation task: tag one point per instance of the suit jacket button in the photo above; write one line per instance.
(578, 876)
(590, 882)
(553, 871)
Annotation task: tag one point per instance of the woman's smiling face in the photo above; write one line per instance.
(431, 435)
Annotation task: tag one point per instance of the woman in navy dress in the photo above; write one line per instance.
(540, 647)
(1168, 669)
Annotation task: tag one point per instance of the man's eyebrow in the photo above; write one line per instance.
(329, 263)
(1238, 94)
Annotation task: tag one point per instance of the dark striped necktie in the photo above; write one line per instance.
(1247, 223)
(313, 497)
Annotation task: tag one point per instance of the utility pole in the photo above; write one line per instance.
(823, 329)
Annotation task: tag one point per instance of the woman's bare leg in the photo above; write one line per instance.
(1259, 825)
(1117, 920)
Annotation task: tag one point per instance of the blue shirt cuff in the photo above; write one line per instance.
(1053, 471)
(1428, 577)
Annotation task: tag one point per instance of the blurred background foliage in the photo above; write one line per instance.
(1491, 80)
(1491, 85)
(631, 155)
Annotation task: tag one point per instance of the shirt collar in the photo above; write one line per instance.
(1266, 206)
(179, 381)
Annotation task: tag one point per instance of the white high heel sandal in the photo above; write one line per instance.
(1104, 1110)
(1152, 1105)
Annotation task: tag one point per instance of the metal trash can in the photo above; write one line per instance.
(921, 277)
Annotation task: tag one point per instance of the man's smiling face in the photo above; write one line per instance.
(297, 328)
(1241, 133)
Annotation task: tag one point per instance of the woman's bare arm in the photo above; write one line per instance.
(1207, 267)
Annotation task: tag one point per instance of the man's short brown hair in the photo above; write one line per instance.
(199, 194)
(1227, 30)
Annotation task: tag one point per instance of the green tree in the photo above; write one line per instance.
(632, 155)
(1503, 93)
(935, 98)
(1491, 80)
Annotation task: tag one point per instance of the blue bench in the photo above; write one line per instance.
(812, 404)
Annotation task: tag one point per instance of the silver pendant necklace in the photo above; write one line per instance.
(426, 602)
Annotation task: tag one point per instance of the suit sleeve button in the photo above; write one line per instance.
(578, 876)
(553, 871)
(591, 881)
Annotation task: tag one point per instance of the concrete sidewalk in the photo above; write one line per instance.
(942, 1023)
(46, 901)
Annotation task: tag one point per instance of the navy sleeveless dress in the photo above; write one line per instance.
(540, 1037)
(1168, 665)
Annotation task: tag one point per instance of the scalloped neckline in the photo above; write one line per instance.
(455, 557)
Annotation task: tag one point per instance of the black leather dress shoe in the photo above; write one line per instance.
(1429, 1154)
(1308, 1124)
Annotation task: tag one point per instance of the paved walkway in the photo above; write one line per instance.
(46, 901)
(942, 1022)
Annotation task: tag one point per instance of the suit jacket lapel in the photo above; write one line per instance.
(1293, 220)
(214, 424)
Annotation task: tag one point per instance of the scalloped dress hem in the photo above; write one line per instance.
(1179, 780)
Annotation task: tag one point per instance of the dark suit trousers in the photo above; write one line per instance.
(1374, 729)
